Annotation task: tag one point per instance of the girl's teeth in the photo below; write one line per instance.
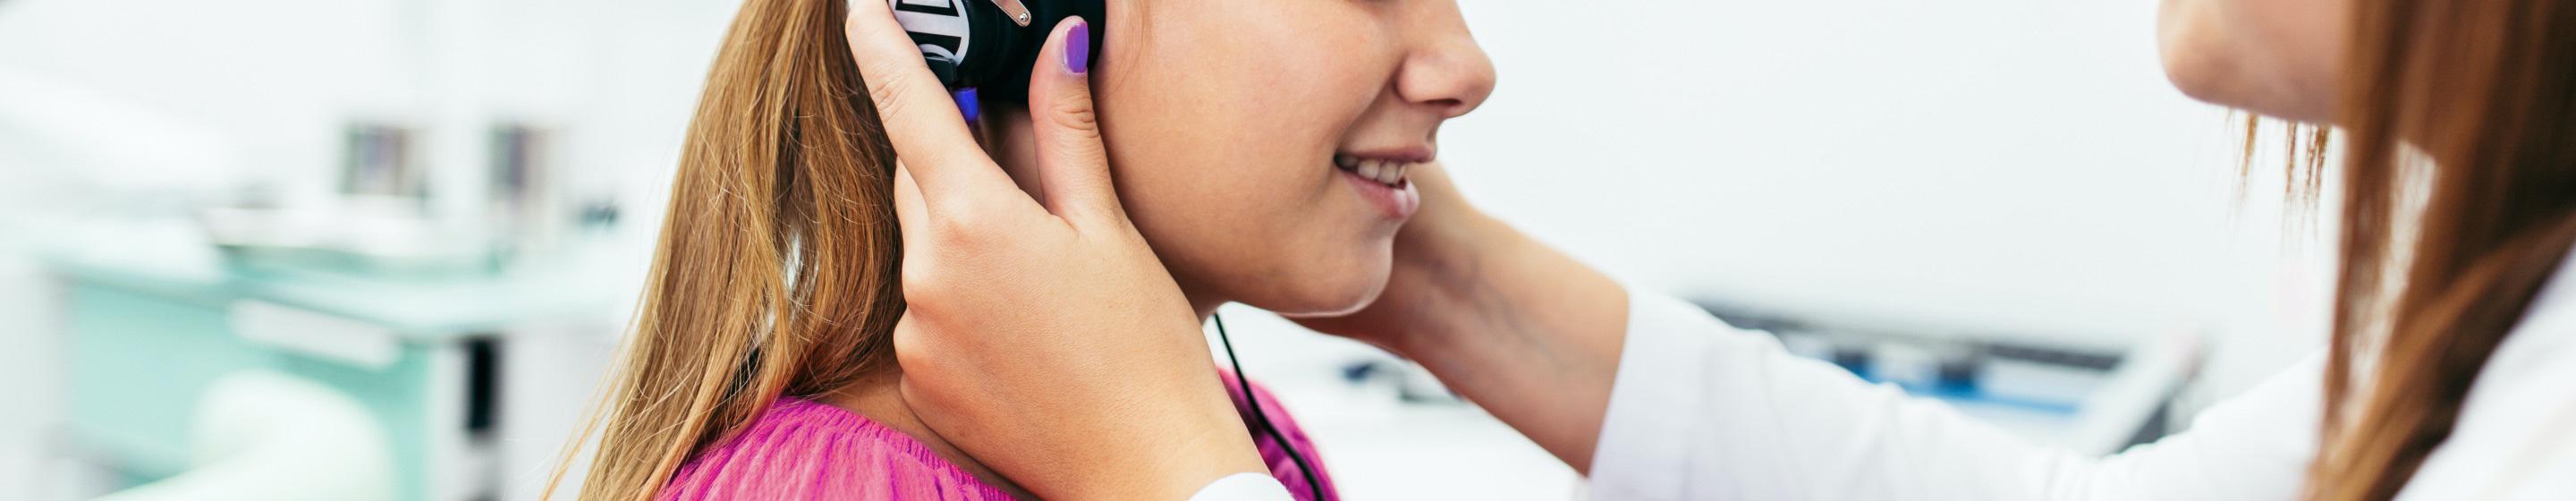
(1390, 172)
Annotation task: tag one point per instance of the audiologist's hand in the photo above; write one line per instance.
(1525, 331)
(1437, 251)
(1043, 338)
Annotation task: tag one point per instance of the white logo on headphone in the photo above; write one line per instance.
(939, 26)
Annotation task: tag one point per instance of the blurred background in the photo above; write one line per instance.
(386, 246)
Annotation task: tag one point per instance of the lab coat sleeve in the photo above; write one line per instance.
(1244, 487)
(1701, 410)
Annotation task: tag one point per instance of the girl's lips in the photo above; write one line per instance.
(1397, 202)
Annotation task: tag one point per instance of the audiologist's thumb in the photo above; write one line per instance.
(1073, 165)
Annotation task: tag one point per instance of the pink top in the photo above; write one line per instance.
(802, 449)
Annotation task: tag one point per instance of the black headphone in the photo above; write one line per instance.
(990, 44)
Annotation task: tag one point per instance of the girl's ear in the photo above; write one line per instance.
(1007, 135)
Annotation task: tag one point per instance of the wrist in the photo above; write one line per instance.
(1192, 446)
(1447, 284)
(1164, 483)
(1527, 332)
(1203, 469)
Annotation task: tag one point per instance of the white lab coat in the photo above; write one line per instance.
(1704, 411)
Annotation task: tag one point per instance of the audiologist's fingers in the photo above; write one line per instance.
(1071, 159)
(919, 114)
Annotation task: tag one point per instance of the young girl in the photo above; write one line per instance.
(1256, 145)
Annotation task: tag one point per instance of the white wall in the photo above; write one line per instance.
(1990, 165)
(2014, 164)
(274, 76)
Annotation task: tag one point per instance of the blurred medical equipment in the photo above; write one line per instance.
(1374, 412)
(421, 354)
(377, 160)
(1408, 381)
(369, 267)
(367, 290)
(381, 221)
(265, 436)
(2090, 399)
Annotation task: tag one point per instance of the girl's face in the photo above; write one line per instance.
(2281, 58)
(1242, 134)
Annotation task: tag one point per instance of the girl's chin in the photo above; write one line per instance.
(1338, 301)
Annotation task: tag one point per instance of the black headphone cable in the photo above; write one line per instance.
(1314, 488)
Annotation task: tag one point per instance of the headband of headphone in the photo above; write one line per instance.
(989, 44)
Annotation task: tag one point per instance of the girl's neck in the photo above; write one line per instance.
(879, 397)
(1203, 306)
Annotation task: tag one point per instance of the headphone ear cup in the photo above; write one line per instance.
(975, 43)
(946, 32)
(945, 69)
(1028, 44)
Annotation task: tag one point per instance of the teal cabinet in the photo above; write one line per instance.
(141, 361)
(421, 355)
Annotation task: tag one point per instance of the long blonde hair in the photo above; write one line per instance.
(776, 269)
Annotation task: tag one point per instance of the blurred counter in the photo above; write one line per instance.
(421, 353)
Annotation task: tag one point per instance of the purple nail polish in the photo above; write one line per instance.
(1077, 48)
(969, 104)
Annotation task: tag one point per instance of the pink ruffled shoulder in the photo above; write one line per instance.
(806, 450)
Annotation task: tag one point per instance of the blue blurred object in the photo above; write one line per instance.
(2090, 399)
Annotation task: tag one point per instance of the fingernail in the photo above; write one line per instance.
(969, 103)
(1077, 48)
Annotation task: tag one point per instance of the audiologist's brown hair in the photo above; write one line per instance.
(776, 270)
(2460, 193)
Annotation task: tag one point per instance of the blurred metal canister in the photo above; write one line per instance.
(377, 160)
